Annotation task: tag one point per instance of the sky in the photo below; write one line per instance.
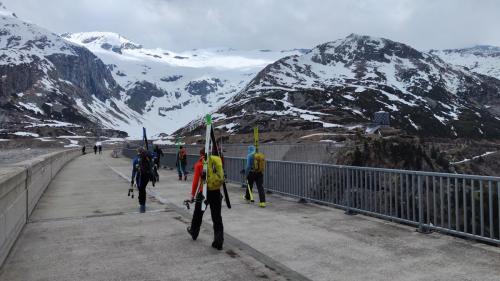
(271, 24)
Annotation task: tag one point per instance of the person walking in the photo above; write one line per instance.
(142, 173)
(95, 148)
(157, 153)
(83, 150)
(213, 200)
(181, 163)
(100, 148)
(254, 172)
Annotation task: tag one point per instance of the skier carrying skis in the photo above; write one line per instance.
(181, 163)
(214, 197)
(95, 149)
(254, 172)
(142, 173)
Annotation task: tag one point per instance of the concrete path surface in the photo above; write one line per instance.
(86, 228)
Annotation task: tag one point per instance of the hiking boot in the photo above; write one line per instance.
(244, 198)
(190, 233)
(217, 246)
(142, 209)
(262, 204)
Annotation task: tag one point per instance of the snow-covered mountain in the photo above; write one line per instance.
(341, 84)
(50, 79)
(170, 89)
(481, 59)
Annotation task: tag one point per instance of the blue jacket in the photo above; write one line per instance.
(250, 157)
(135, 163)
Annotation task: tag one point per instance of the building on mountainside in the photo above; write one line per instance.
(382, 119)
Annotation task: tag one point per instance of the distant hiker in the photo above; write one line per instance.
(181, 163)
(100, 148)
(214, 198)
(95, 149)
(83, 150)
(254, 171)
(142, 173)
(157, 153)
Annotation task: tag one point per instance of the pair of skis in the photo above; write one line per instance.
(210, 143)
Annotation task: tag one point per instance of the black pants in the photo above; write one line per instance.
(141, 185)
(214, 200)
(258, 178)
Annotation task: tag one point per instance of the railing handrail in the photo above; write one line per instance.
(464, 205)
(384, 170)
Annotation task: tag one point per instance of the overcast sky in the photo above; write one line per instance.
(271, 24)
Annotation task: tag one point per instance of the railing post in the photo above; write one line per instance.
(422, 228)
(349, 210)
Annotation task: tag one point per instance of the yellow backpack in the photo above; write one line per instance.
(215, 173)
(259, 162)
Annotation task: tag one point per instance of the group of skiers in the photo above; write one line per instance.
(97, 147)
(144, 170)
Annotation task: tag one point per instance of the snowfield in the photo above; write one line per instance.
(194, 82)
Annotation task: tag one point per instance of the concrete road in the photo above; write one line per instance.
(85, 228)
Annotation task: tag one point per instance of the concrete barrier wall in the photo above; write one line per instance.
(21, 186)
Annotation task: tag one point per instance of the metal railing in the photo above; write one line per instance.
(462, 205)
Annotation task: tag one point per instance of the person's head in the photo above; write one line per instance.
(251, 149)
(140, 150)
(181, 147)
(202, 152)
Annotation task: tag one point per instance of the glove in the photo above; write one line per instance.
(132, 183)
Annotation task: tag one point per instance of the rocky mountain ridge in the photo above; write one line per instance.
(339, 85)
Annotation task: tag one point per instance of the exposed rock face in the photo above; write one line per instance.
(44, 76)
(203, 88)
(142, 92)
(341, 84)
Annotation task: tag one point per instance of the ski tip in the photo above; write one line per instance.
(208, 118)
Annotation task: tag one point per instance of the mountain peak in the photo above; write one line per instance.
(109, 41)
(357, 48)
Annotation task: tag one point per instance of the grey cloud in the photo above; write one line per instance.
(271, 24)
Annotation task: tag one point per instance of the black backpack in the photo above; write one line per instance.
(145, 165)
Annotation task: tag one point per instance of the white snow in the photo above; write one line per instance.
(320, 134)
(224, 70)
(73, 143)
(473, 158)
(31, 106)
(164, 142)
(45, 139)
(481, 60)
(26, 134)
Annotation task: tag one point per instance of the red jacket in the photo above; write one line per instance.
(198, 170)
